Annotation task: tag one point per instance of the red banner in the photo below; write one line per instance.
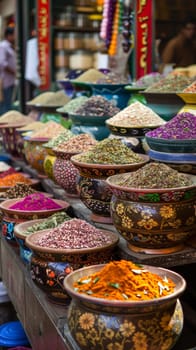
(44, 24)
(143, 37)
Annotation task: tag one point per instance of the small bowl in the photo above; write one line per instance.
(97, 323)
(102, 171)
(50, 266)
(129, 131)
(11, 217)
(188, 97)
(12, 140)
(34, 183)
(151, 195)
(166, 105)
(171, 146)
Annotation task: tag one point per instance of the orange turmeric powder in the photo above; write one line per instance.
(124, 280)
(12, 179)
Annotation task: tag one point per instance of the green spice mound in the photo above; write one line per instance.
(154, 175)
(51, 222)
(55, 141)
(110, 151)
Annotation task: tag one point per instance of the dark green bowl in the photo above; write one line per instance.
(171, 146)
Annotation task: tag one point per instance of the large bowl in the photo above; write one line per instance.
(11, 217)
(110, 324)
(35, 154)
(50, 266)
(115, 93)
(170, 145)
(12, 140)
(153, 195)
(129, 131)
(93, 125)
(102, 171)
(166, 105)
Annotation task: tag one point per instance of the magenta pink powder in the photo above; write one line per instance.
(34, 202)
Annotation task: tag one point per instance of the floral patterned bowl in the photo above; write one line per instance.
(35, 154)
(97, 323)
(11, 217)
(151, 195)
(102, 171)
(50, 266)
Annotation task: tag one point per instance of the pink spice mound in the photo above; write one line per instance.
(180, 127)
(35, 202)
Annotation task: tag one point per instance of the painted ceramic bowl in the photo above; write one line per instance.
(188, 97)
(11, 217)
(155, 195)
(129, 131)
(96, 196)
(12, 140)
(35, 154)
(171, 146)
(154, 228)
(65, 173)
(102, 171)
(49, 165)
(49, 267)
(97, 323)
(115, 93)
(93, 125)
(34, 183)
(166, 105)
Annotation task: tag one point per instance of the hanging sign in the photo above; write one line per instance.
(143, 46)
(43, 24)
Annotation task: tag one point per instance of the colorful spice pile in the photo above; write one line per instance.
(7, 172)
(73, 104)
(31, 126)
(14, 117)
(113, 78)
(171, 83)
(180, 127)
(90, 76)
(20, 190)
(51, 222)
(12, 179)
(110, 151)
(74, 234)
(97, 106)
(149, 79)
(49, 98)
(50, 130)
(76, 144)
(35, 202)
(63, 137)
(191, 88)
(154, 175)
(124, 280)
(136, 115)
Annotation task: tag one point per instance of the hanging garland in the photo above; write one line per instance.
(117, 18)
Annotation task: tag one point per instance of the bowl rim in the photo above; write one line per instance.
(147, 190)
(4, 206)
(91, 84)
(118, 303)
(174, 141)
(46, 250)
(145, 157)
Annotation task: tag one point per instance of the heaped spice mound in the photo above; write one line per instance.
(154, 175)
(110, 151)
(180, 127)
(123, 280)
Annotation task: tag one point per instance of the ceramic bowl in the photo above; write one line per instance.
(182, 162)
(93, 125)
(166, 105)
(97, 323)
(129, 131)
(65, 173)
(11, 217)
(171, 146)
(154, 195)
(154, 228)
(102, 171)
(115, 93)
(188, 97)
(12, 140)
(50, 266)
(34, 183)
(96, 196)
(35, 154)
(49, 166)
